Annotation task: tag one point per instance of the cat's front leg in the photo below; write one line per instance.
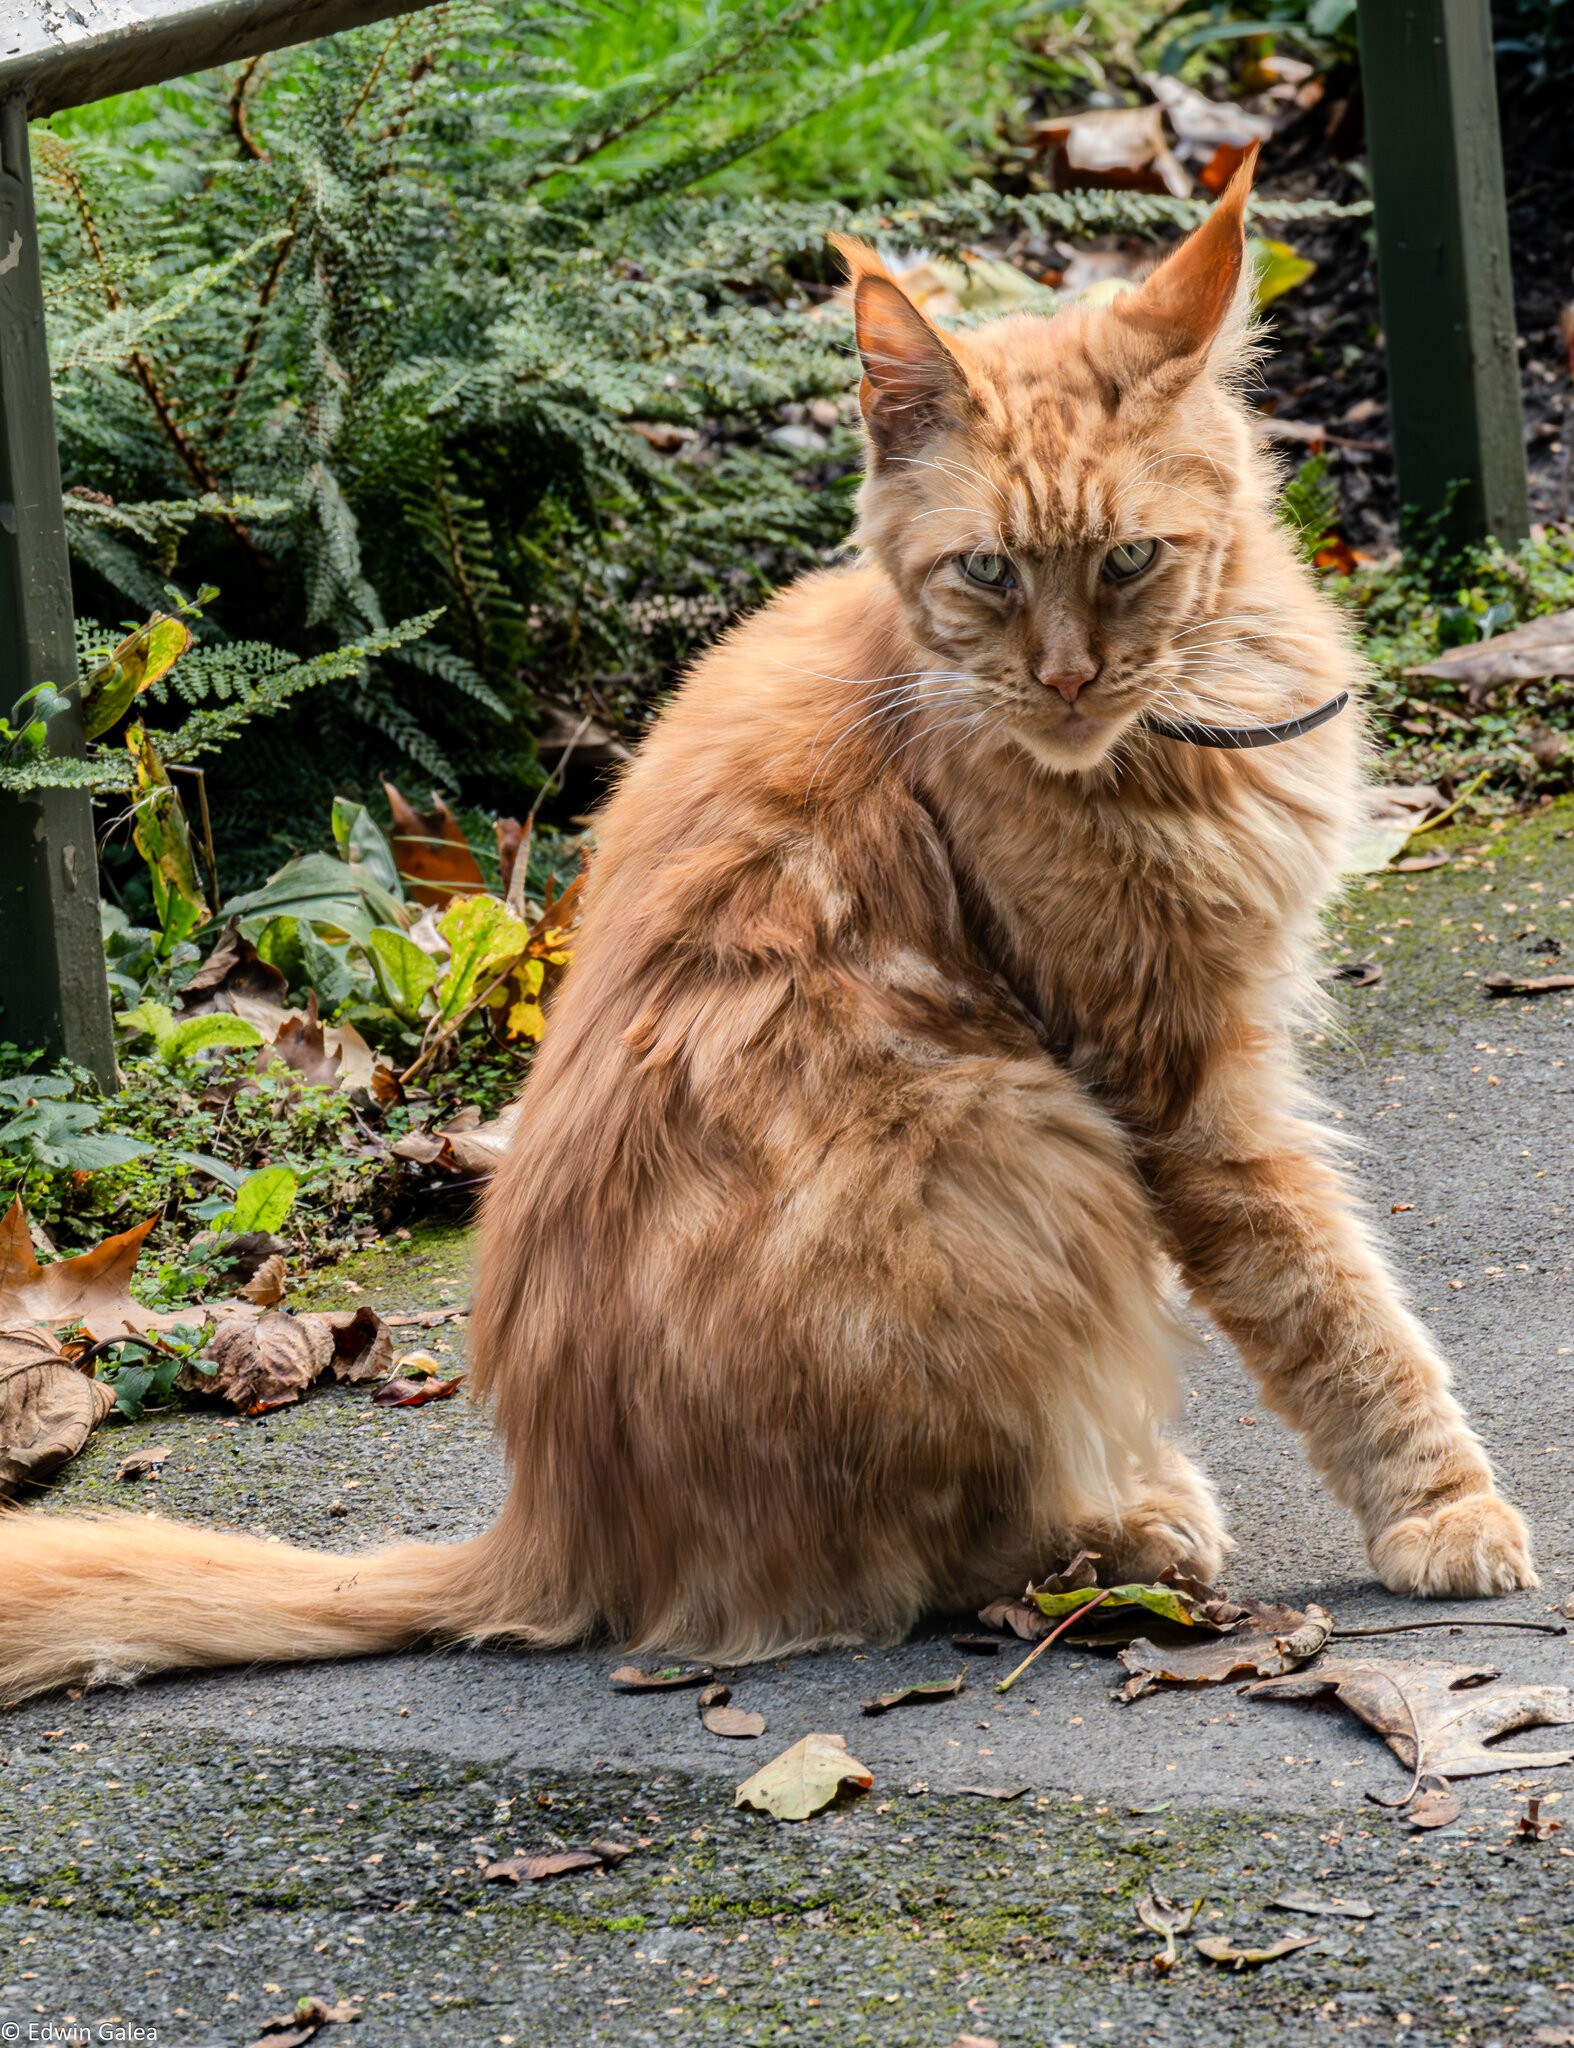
(1269, 1243)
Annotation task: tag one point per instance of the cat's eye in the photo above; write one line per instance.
(993, 571)
(1128, 559)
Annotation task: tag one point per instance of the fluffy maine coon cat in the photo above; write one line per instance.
(930, 1009)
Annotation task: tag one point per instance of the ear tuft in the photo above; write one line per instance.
(913, 384)
(861, 259)
(1186, 302)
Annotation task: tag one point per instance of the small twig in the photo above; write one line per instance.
(212, 859)
(1400, 1628)
(1060, 1628)
(1469, 790)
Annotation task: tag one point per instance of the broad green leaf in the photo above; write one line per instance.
(82, 1153)
(404, 973)
(278, 943)
(1276, 269)
(363, 844)
(264, 1199)
(484, 937)
(330, 971)
(111, 688)
(316, 889)
(202, 1034)
(34, 1088)
(154, 1020)
(1161, 1600)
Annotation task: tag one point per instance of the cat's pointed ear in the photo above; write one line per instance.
(1189, 301)
(913, 386)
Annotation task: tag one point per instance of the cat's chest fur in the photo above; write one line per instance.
(1143, 941)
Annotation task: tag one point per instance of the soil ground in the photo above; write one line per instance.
(192, 1856)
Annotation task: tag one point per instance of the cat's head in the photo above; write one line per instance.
(1054, 499)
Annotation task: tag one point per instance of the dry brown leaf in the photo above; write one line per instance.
(551, 1863)
(977, 1645)
(305, 2023)
(804, 1779)
(464, 1145)
(1161, 1914)
(1543, 648)
(232, 969)
(92, 1289)
(1525, 984)
(665, 1677)
(722, 1719)
(1124, 148)
(1289, 1640)
(143, 1464)
(1218, 1948)
(265, 1359)
(915, 1695)
(431, 851)
(1075, 1577)
(266, 1285)
(1457, 1709)
(48, 1407)
(300, 1044)
(1017, 1616)
(415, 1393)
(1436, 1808)
(361, 1343)
(1311, 1902)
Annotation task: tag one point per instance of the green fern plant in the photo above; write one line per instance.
(386, 326)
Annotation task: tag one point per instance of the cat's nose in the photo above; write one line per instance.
(1068, 681)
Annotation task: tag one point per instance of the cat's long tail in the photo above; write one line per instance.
(112, 1598)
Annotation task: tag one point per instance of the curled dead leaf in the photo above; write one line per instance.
(1311, 1902)
(804, 1779)
(310, 2015)
(1526, 984)
(1525, 654)
(143, 1464)
(664, 1678)
(1218, 1948)
(1437, 1807)
(915, 1695)
(551, 1863)
(415, 1393)
(266, 1285)
(1262, 1652)
(263, 1359)
(48, 1407)
(1456, 1710)
(722, 1719)
(1161, 1914)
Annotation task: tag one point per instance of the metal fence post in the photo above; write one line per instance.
(54, 998)
(1436, 156)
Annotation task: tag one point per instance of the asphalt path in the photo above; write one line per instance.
(192, 1856)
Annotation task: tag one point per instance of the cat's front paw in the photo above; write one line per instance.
(1468, 1548)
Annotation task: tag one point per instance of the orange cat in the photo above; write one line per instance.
(932, 1008)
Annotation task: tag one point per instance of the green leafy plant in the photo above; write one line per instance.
(143, 1370)
(41, 1126)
